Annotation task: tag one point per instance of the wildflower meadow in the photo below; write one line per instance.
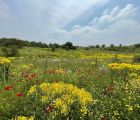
(95, 84)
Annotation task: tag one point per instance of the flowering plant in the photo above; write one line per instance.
(62, 100)
(4, 68)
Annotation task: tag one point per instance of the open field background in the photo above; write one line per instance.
(115, 88)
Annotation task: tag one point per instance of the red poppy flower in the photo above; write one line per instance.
(33, 75)
(37, 81)
(20, 81)
(8, 87)
(19, 94)
(53, 71)
(103, 118)
(49, 108)
(25, 74)
(109, 88)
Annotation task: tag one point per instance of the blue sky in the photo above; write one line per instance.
(83, 22)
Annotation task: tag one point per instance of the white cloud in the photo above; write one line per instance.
(115, 14)
(68, 10)
(57, 12)
(124, 29)
(44, 20)
(37, 19)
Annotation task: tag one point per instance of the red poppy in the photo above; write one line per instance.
(103, 118)
(20, 81)
(37, 81)
(29, 78)
(109, 88)
(49, 108)
(25, 74)
(33, 75)
(8, 87)
(19, 94)
(53, 71)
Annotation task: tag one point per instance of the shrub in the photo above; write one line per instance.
(73, 47)
(10, 51)
(116, 59)
(53, 48)
(137, 45)
(136, 59)
(4, 68)
(67, 48)
(86, 48)
(58, 101)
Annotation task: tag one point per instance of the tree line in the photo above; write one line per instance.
(6, 42)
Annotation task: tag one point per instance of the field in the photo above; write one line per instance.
(80, 84)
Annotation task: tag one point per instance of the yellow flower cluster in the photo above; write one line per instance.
(11, 58)
(4, 60)
(63, 96)
(129, 107)
(27, 66)
(93, 63)
(61, 71)
(23, 118)
(122, 66)
(32, 90)
(135, 82)
(106, 56)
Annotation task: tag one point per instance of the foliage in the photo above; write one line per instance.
(20, 43)
(136, 59)
(103, 46)
(53, 48)
(58, 100)
(4, 68)
(35, 90)
(97, 46)
(137, 45)
(10, 51)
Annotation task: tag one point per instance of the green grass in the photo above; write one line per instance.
(110, 92)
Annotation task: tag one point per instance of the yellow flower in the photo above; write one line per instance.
(23, 118)
(61, 71)
(32, 90)
(93, 63)
(27, 66)
(58, 102)
(44, 99)
(84, 110)
(63, 96)
(12, 58)
(133, 75)
(64, 109)
(130, 108)
(4, 60)
(124, 66)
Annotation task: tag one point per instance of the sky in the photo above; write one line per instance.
(82, 22)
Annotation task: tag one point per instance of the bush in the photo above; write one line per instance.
(136, 59)
(10, 51)
(73, 47)
(137, 45)
(53, 48)
(4, 68)
(57, 101)
(86, 48)
(116, 59)
(67, 48)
